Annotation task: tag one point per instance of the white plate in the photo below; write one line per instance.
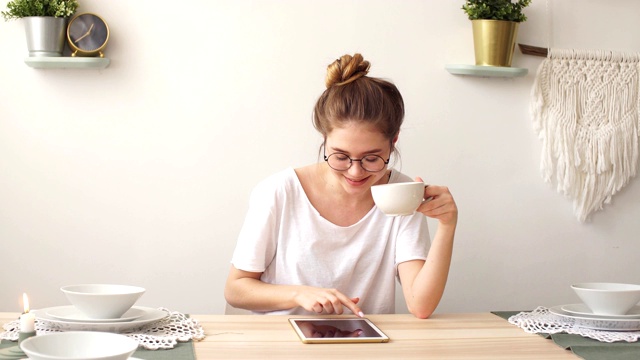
(71, 313)
(151, 315)
(607, 324)
(582, 309)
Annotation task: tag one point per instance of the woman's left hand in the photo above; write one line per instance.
(439, 204)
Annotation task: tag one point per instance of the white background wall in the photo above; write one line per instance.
(140, 173)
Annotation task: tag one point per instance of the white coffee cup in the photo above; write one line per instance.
(398, 198)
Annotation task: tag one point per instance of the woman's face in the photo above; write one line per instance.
(357, 140)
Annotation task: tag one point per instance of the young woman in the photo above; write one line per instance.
(314, 242)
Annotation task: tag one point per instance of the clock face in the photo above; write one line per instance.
(88, 32)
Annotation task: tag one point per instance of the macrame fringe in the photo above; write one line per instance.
(585, 107)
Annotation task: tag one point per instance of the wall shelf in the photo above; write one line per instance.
(67, 62)
(486, 71)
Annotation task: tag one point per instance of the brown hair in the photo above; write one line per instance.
(351, 95)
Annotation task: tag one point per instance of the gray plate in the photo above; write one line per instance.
(597, 323)
(151, 315)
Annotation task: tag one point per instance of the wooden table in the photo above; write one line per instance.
(443, 336)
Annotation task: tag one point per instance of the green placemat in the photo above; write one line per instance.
(182, 351)
(6, 343)
(586, 348)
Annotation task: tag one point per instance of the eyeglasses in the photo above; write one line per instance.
(341, 162)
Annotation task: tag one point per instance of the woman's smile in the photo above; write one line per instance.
(354, 182)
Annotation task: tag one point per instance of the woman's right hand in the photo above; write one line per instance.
(245, 290)
(325, 301)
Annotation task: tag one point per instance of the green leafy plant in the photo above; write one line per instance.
(17, 9)
(496, 9)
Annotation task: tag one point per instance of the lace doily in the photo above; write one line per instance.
(541, 320)
(163, 334)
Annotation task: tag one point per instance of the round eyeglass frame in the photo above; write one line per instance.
(326, 158)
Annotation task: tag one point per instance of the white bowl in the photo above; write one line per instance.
(398, 198)
(102, 301)
(608, 298)
(85, 345)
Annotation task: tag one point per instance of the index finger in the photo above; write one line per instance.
(433, 190)
(350, 305)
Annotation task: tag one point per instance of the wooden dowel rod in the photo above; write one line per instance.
(533, 50)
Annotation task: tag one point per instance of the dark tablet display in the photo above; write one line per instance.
(337, 330)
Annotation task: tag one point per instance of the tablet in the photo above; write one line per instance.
(332, 331)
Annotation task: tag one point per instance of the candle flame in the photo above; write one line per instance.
(25, 301)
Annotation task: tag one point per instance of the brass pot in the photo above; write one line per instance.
(494, 41)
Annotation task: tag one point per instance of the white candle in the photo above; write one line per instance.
(27, 320)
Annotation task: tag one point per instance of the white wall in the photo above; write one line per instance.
(140, 173)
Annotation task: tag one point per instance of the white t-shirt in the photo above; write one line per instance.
(285, 237)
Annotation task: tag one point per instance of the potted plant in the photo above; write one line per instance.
(495, 28)
(45, 23)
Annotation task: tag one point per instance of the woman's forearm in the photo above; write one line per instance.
(429, 278)
(253, 294)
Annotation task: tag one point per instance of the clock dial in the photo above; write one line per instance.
(88, 32)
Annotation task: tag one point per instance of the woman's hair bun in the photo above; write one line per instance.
(346, 69)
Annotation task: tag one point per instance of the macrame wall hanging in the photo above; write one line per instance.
(585, 107)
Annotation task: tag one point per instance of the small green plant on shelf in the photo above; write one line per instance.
(17, 9)
(496, 9)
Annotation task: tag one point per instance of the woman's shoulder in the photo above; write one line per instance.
(279, 180)
(398, 177)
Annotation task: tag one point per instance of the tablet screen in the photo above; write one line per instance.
(337, 330)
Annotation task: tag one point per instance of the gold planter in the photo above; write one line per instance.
(494, 41)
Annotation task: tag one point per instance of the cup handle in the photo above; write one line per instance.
(429, 198)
